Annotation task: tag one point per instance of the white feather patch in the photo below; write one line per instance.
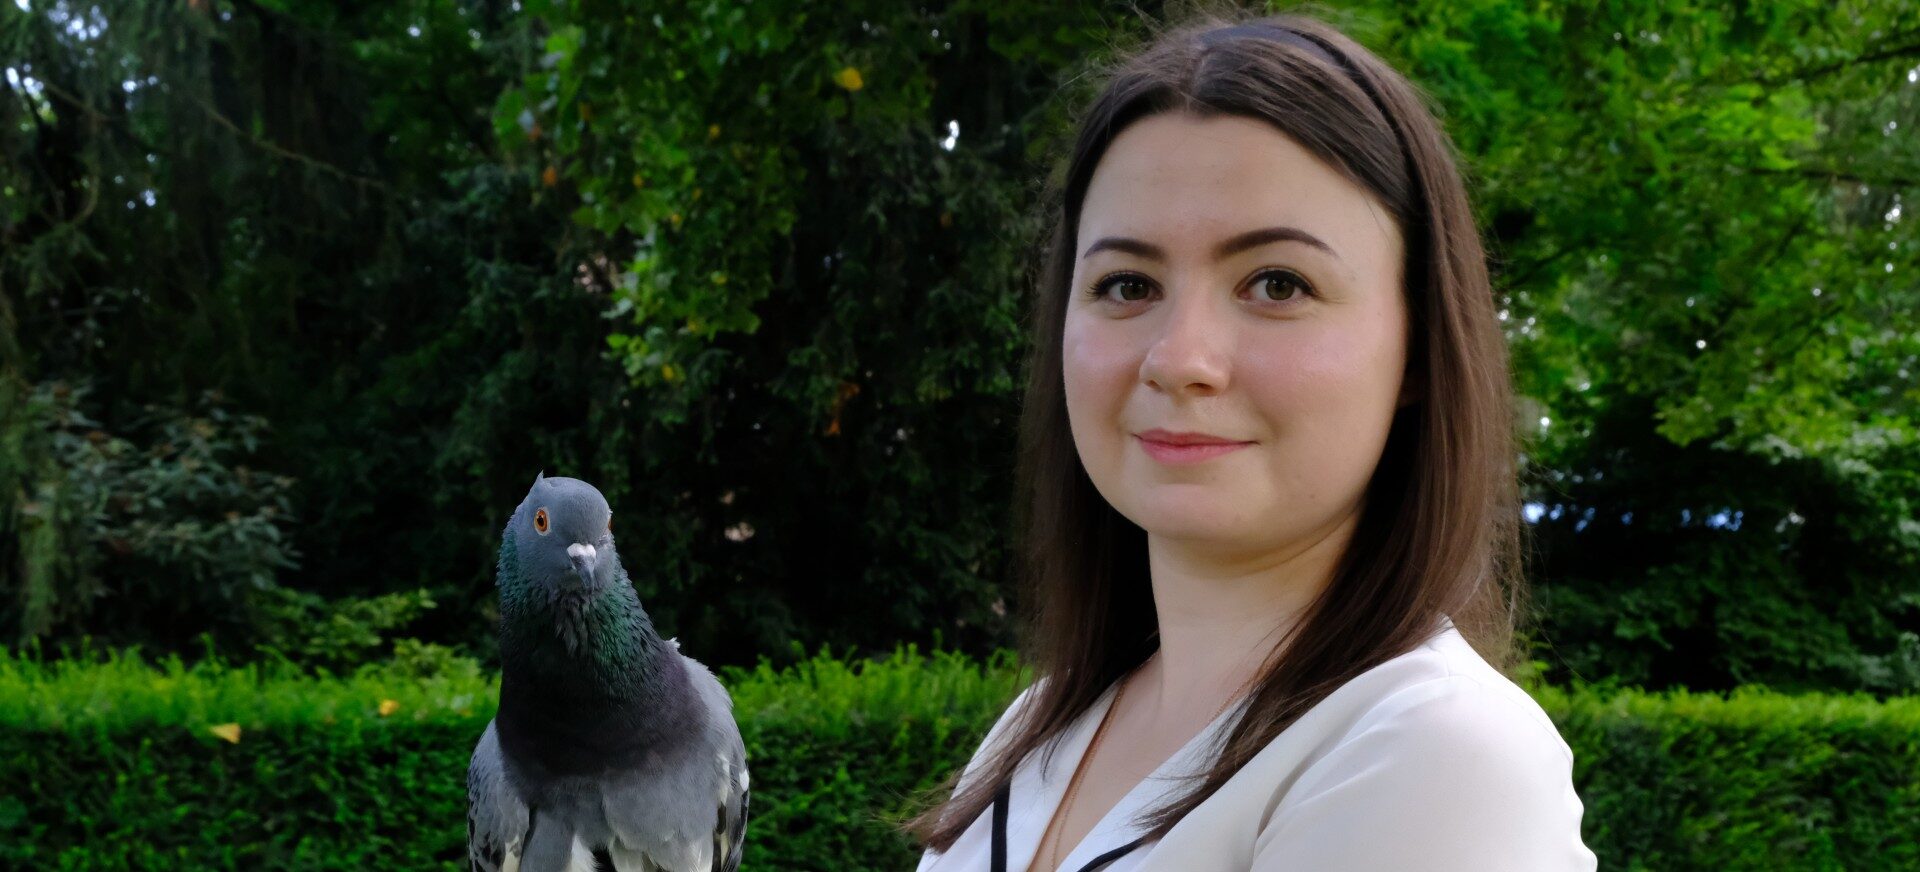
(582, 859)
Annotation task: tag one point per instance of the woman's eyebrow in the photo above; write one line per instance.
(1229, 248)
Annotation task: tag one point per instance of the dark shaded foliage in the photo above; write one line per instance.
(724, 260)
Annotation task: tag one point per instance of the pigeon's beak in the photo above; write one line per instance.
(584, 559)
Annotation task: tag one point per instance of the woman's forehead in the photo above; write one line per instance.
(1184, 183)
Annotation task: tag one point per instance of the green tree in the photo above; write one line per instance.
(758, 269)
(1714, 314)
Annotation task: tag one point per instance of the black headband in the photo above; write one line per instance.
(1325, 51)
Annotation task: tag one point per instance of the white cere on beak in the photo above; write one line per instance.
(578, 550)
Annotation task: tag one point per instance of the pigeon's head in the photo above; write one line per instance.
(563, 536)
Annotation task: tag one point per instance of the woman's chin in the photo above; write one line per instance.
(1199, 521)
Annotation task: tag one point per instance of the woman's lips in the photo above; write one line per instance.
(1166, 452)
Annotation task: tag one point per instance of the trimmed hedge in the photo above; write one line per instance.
(117, 765)
(1749, 780)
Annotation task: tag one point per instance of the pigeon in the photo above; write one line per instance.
(611, 751)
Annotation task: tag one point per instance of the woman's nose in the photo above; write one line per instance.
(1191, 344)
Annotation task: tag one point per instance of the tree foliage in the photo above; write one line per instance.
(759, 270)
(1713, 309)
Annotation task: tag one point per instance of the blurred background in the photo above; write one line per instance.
(297, 296)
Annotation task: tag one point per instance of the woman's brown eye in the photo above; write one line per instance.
(540, 521)
(1100, 288)
(1290, 285)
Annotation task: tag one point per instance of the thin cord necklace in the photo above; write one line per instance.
(1073, 785)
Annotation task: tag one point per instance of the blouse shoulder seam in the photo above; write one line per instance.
(1530, 716)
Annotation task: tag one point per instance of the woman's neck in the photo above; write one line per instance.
(1222, 612)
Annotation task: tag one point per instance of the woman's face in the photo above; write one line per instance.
(1248, 293)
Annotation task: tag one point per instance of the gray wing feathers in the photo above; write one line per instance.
(496, 818)
(687, 814)
(730, 828)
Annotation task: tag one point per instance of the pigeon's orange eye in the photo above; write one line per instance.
(540, 521)
(609, 523)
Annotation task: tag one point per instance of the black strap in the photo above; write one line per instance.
(998, 851)
(1112, 855)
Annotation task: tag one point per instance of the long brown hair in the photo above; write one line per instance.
(1439, 534)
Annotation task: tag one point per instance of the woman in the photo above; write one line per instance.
(1268, 495)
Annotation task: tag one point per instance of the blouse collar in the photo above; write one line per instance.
(1038, 793)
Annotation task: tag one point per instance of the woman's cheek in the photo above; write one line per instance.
(1333, 396)
(1300, 374)
(1098, 373)
(1318, 391)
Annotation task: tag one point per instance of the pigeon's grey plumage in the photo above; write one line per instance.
(611, 750)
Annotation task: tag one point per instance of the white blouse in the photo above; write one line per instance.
(1430, 762)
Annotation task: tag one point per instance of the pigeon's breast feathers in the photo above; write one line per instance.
(568, 612)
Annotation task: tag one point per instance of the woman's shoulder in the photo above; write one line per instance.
(1021, 700)
(1000, 728)
(1440, 698)
(1438, 714)
(1446, 687)
(1435, 745)
(1443, 684)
